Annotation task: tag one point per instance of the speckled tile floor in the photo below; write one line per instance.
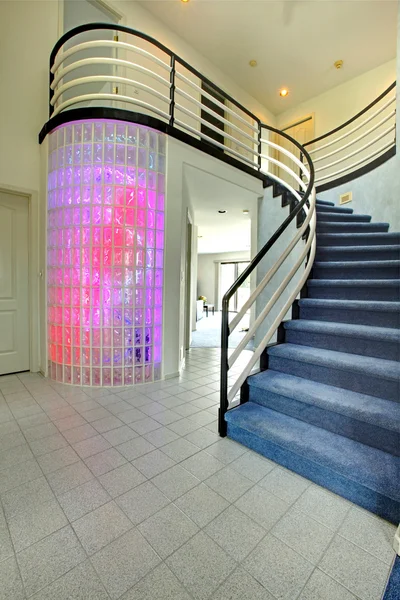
(131, 494)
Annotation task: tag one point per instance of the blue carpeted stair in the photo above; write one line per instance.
(328, 406)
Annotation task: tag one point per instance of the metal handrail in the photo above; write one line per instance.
(366, 162)
(357, 116)
(225, 327)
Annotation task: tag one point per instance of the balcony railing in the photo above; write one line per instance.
(358, 145)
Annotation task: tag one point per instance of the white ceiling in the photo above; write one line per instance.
(295, 42)
(230, 232)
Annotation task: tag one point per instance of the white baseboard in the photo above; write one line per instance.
(171, 375)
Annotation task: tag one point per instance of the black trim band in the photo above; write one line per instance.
(118, 114)
(360, 172)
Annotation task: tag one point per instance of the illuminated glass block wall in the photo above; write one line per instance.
(105, 253)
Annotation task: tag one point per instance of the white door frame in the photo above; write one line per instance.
(34, 274)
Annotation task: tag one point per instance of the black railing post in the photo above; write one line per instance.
(51, 91)
(172, 92)
(300, 171)
(259, 145)
(223, 406)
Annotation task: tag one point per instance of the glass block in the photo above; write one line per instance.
(117, 377)
(106, 377)
(105, 239)
(138, 374)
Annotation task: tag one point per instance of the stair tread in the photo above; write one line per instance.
(359, 235)
(346, 225)
(326, 215)
(370, 467)
(376, 367)
(379, 248)
(324, 203)
(362, 407)
(337, 210)
(345, 329)
(356, 263)
(353, 282)
(367, 305)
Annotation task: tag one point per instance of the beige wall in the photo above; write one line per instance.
(28, 31)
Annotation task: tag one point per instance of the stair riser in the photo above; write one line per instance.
(356, 272)
(364, 347)
(362, 240)
(343, 255)
(373, 318)
(349, 380)
(351, 228)
(377, 437)
(334, 209)
(355, 293)
(342, 218)
(363, 496)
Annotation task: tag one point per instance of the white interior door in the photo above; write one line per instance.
(14, 284)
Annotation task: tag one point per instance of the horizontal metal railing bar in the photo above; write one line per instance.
(371, 143)
(267, 278)
(114, 27)
(209, 110)
(119, 62)
(107, 79)
(359, 162)
(215, 128)
(358, 115)
(215, 101)
(216, 88)
(260, 255)
(263, 344)
(357, 139)
(106, 44)
(287, 153)
(113, 98)
(282, 165)
(274, 298)
(345, 135)
(214, 142)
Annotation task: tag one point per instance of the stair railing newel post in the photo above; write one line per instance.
(222, 426)
(172, 92)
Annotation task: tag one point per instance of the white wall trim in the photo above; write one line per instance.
(33, 270)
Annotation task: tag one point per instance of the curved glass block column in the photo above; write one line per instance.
(105, 259)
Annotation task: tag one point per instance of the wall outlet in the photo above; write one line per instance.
(345, 198)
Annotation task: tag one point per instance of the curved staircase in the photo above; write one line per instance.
(328, 405)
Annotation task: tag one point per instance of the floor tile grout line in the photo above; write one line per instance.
(13, 548)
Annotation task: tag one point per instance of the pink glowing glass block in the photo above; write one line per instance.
(106, 195)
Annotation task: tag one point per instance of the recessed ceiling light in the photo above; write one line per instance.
(246, 211)
(253, 63)
(185, 1)
(284, 92)
(338, 64)
(222, 212)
